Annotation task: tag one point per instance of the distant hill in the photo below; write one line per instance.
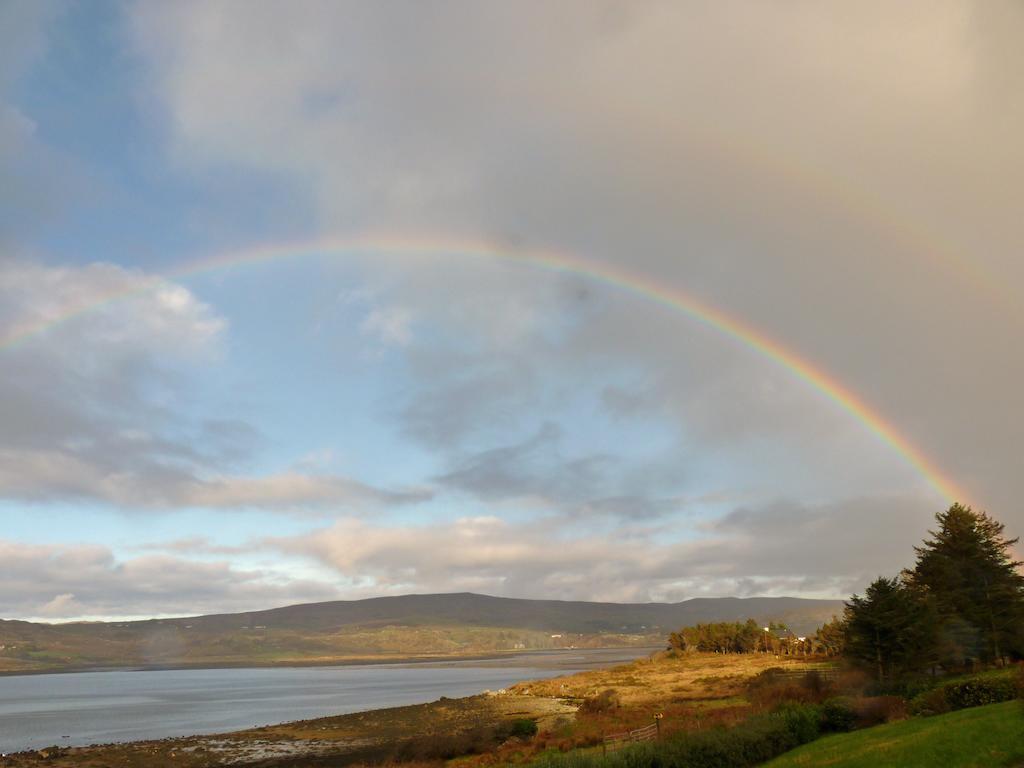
(470, 609)
(382, 628)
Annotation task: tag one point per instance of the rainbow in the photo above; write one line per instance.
(549, 260)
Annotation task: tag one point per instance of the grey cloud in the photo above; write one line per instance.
(192, 545)
(293, 490)
(634, 507)
(229, 440)
(826, 550)
(60, 582)
(534, 467)
(536, 471)
(482, 396)
(149, 484)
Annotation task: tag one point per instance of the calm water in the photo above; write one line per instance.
(98, 707)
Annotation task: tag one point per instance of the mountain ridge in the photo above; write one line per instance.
(396, 626)
(479, 609)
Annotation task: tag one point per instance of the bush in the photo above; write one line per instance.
(775, 687)
(979, 691)
(605, 701)
(444, 746)
(851, 681)
(802, 721)
(933, 702)
(522, 728)
(875, 710)
(479, 738)
(754, 741)
(965, 693)
(838, 715)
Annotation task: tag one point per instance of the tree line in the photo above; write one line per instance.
(739, 637)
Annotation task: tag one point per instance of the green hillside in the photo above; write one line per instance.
(971, 738)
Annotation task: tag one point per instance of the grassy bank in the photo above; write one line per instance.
(971, 738)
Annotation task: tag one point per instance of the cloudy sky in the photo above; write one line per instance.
(846, 179)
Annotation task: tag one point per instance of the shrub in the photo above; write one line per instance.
(817, 685)
(605, 701)
(802, 721)
(979, 691)
(929, 703)
(965, 693)
(522, 728)
(444, 746)
(838, 715)
(875, 710)
(851, 681)
(754, 741)
(774, 687)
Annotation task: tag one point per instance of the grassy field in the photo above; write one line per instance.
(971, 738)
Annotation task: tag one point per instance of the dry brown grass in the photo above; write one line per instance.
(667, 678)
(692, 691)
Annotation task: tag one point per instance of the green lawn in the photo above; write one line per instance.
(970, 738)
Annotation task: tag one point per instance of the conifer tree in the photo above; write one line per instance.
(978, 591)
(831, 637)
(890, 629)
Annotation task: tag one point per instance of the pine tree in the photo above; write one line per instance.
(831, 637)
(890, 629)
(977, 588)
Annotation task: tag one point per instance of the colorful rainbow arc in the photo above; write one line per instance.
(554, 261)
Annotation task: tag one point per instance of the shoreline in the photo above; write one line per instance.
(329, 740)
(348, 661)
(371, 731)
(690, 689)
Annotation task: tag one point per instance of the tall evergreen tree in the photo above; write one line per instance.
(889, 630)
(967, 570)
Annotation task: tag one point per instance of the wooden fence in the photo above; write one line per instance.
(619, 740)
(825, 673)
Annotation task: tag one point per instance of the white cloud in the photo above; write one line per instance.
(71, 581)
(32, 475)
(122, 310)
(62, 606)
(392, 325)
(293, 490)
(786, 548)
(92, 403)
